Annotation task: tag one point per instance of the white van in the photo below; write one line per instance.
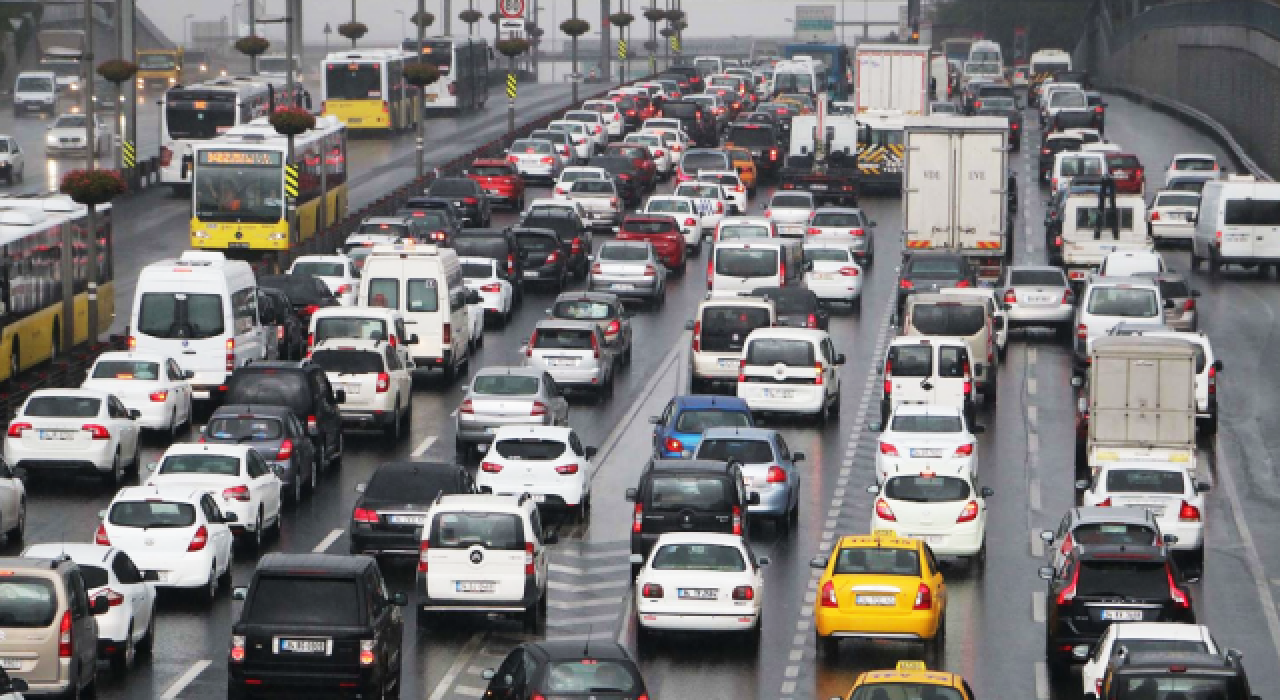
(791, 370)
(35, 91)
(930, 370)
(201, 310)
(361, 322)
(720, 328)
(738, 267)
(1238, 224)
(967, 317)
(424, 282)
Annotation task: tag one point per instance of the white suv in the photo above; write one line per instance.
(379, 386)
(547, 462)
(484, 553)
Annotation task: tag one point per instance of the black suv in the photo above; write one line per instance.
(501, 245)
(699, 124)
(303, 388)
(468, 198)
(277, 434)
(931, 270)
(687, 495)
(1096, 585)
(575, 238)
(762, 140)
(1169, 674)
(453, 221)
(316, 623)
(542, 258)
(393, 504)
(625, 173)
(306, 294)
(291, 331)
(599, 668)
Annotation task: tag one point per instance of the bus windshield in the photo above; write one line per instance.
(792, 82)
(240, 192)
(353, 81)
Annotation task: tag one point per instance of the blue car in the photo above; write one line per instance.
(679, 429)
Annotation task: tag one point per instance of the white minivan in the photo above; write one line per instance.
(361, 322)
(202, 310)
(929, 370)
(425, 283)
(1238, 223)
(738, 267)
(791, 370)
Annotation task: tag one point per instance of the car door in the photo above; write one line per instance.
(127, 427)
(219, 533)
(85, 638)
(559, 406)
(327, 411)
(181, 388)
(11, 491)
(934, 576)
(829, 367)
(263, 484)
(139, 593)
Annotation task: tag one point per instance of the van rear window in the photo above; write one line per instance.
(27, 602)
(948, 319)
(489, 530)
(305, 600)
(180, 315)
(694, 162)
(562, 339)
(1252, 212)
(747, 262)
(348, 361)
(724, 328)
(910, 361)
(270, 387)
(363, 328)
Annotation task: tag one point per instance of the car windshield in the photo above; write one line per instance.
(664, 206)
(791, 201)
(1080, 165)
(905, 691)
(835, 219)
(1196, 164)
(530, 146)
(1037, 278)
(141, 370)
(1161, 645)
(747, 262)
(341, 361)
(180, 315)
(1145, 481)
(316, 268)
(946, 318)
(997, 103)
(622, 253)
(589, 676)
(270, 387)
(504, 385)
(305, 601)
(740, 231)
(926, 424)
(449, 187)
(1126, 302)
(745, 451)
(244, 428)
(936, 268)
(774, 351)
(27, 602)
(582, 310)
(700, 420)
(213, 464)
(691, 492)
(363, 328)
(1178, 200)
(152, 514)
(62, 407)
(698, 557)
(1126, 578)
(71, 121)
(1169, 685)
(29, 83)
(927, 489)
(891, 561)
(562, 339)
(530, 449)
(592, 186)
(415, 484)
(489, 530)
(1114, 533)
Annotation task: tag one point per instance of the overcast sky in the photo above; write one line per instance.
(706, 17)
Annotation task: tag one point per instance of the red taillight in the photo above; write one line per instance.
(312, 424)
(100, 536)
(491, 288)
(814, 231)
(310, 309)
(674, 445)
(1082, 331)
(1179, 596)
(166, 156)
(365, 515)
(446, 334)
(553, 257)
(650, 271)
(829, 595)
(598, 129)
(470, 200)
(969, 513)
(744, 593)
(384, 382)
(690, 222)
(776, 475)
(812, 321)
(637, 518)
(652, 590)
(962, 284)
(631, 113)
(906, 284)
(513, 159)
(575, 248)
(596, 269)
(311, 341)
(1097, 110)
(422, 556)
(595, 347)
(133, 343)
(977, 104)
(924, 598)
(1213, 384)
(710, 273)
(15, 429)
(964, 450)
(768, 214)
(613, 328)
(286, 449)
(1189, 305)
(231, 354)
(386, 108)
(539, 408)
(720, 207)
(64, 636)
(96, 432)
(490, 467)
(1068, 594)
(236, 493)
(737, 520)
(1104, 503)
(199, 540)
(1010, 297)
(857, 232)
(849, 272)
(1155, 216)
(883, 511)
(1188, 513)
(567, 469)
(528, 559)
(888, 449)
(548, 160)
(511, 265)
(742, 367)
(237, 648)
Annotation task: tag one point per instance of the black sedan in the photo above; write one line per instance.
(931, 270)
(1006, 107)
(797, 307)
(307, 294)
(389, 514)
(468, 197)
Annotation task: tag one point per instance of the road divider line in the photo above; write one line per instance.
(423, 446)
(1037, 545)
(464, 659)
(1031, 386)
(615, 436)
(1037, 607)
(1042, 680)
(1033, 494)
(185, 679)
(328, 541)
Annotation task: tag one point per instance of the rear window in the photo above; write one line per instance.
(669, 206)
(1130, 303)
(692, 492)
(1174, 289)
(773, 351)
(786, 301)
(823, 219)
(1073, 166)
(305, 600)
(709, 191)
(1178, 200)
(878, 560)
(590, 676)
(477, 271)
(492, 170)
(215, 465)
(562, 339)
(592, 186)
(724, 328)
(244, 428)
(702, 420)
(747, 262)
(504, 385)
(1196, 164)
(1173, 686)
(1068, 99)
(910, 361)
(413, 485)
(623, 253)
(320, 269)
(932, 266)
(791, 201)
(926, 489)
(62, 407)
(398, 230)
(180, 315)
(1114, 533)
(582, 310)
(740, 231)
(127, 369)
(348, 361)
(150, 514)
(1123, 161)
(836, 255)
(745, 451)
(1144, 481)
(270, 387)
(300, 288)
(698, 557)
(538, 243)
(1130, 579)
(27, 602)
(1037, 278)
(694, 162)
(948, 319)
(576, 175)
(927, 424)
(356, 328)
(532, 147)
(530, 448)
(489, 530)
(1087, 219)
(752, 137)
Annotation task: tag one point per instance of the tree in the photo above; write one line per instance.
(674, 15)
(252, 45)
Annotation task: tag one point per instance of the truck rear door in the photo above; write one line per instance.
(927, 202)
(980, 191)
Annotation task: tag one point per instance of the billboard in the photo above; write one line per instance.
(815, 23)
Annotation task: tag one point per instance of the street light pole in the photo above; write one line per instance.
(421, 143)
(253, 31)
(573, 58)
(91, 151)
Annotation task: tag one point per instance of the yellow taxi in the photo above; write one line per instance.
(880, 586)
(746, 168)
(911, 679)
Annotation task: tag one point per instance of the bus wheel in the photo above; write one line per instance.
(56, 342)
(15, 362)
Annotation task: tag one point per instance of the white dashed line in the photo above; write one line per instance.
(1037, 606)
(1042, 681)
(1031, 356)
(1037, 545)
(1031, 386)
(328, 541)
(185, 679)
(425, 445)
(1031, 418)
(1033, 443)
(1033, 494)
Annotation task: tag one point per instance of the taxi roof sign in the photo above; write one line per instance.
(885, 533)
(911, 666)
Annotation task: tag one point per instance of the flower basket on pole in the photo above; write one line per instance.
(353, 31)
(90, 188)
(252, 45)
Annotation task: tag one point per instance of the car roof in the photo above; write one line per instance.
(699, 401)
(238, 409)
(215, 448)
(560, 649)
(712, 538)
(936, 340)
(348, 344)
(508, 371)
(1178, 631)
(588, 296)
(879, 538)
(1093, 515)
(178, 493)
(71, 392)
(480, 502)
(307, 563)
(1101, 281)
(691, 465)
(744, 433)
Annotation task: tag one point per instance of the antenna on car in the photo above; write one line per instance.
(586, 646)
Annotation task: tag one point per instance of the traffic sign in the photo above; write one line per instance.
(511, 28)
(130, 155)
(291, 180)
(622, 49)
(674, 41)
(511, 8)
(511, 86)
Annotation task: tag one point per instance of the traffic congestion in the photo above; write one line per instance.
(751, 377)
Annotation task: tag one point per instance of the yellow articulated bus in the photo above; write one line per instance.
(367, 91)
(160, 69)
(238, 191)
(31, 274)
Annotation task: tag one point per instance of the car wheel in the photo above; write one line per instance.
(256, 542)
(392, 429)
(173, 425)
(123, 659)
(148, 641)
(210, 591)
(828, 647)
(112, 478)
(535, 616)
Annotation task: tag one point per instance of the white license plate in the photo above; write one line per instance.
(885, 600)
(352, 388)
(1122, 615)
(539, 498)
(475, 586)
(57, 434)
(1034, 299)
(11, 664)
(1177, 215)
(727, 364)
(622, 286)
(779, 393)
(532, 273)
(696, 593)
(820, 275)
(930, 539)
(817, 187)
(920, 453)
(303, 646)
(199, 394)
(557, 362)
(407, 519)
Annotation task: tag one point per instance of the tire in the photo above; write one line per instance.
(834, 409)
(754, 634)
(19, 531)
(392, 429)
(112, 478)
(123, 659)
(256, 542)
(828, 647)
(210, 591)
(148, 641)
(782, 523)
(535, 616)
(1195, 259)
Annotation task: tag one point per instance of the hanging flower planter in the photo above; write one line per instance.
(92, 187)
(470, 16)
(291, 121)
(494, 18)
(621, 19)
(252, 45)
(674, 15)
(423, 19)
(421, 74)
(353, 30)
(512, 47)
(575, 27)
(655, 15)
(117, 71)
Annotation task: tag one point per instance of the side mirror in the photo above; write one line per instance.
(134, 414)
(488, 674)
(688, 325)
(102, 514)
(839, 356)
(873, 489)
(1082, 484)
(550, 538)
(797, 457)
(872, 224)
(632, 495)
(230, 518)
(1077, 382)
(99, 606)
(763, 561)
(473, 297)
(879, 368)
(655, 420)
(1202, 486)
(1045, 572)
(399, 599)
(340, 396)
(151, 576)
(818, 563)
(1047, 536)
(188, 374)
(753, 499)
(875, 427)
(592, 452)
(987, 492)
(1217, 365)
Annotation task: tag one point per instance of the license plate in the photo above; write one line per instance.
(921, 453)
(727, 364)
(238, 245)
(11, 664)
(820, 275)
(779, 393)
(352, 388)
(1122, 615)
(199, 394)
(496, 192)
(431, 98)
(355, 120)
(1177, 215)
(1039, 299)
(696, 593)
(886, 600)
(407, 519)
(33, 107)
(623, 286)
(930, 539)
(303, 646)
(532, 273)
(539, 498)
(475, 586)
(558, 362)
(57, 435)
(817, 187)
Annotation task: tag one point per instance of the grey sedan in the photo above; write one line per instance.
(629, 270)
(501, 396)
(1179, 302)
(277, 434)
(1037, 295)
(769, 468)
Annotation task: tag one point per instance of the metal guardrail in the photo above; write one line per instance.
(66, 371)
(1256, 15)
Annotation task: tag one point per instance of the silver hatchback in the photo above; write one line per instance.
(500, 396)
(1037, 295)
(629, 270)
(574, 353)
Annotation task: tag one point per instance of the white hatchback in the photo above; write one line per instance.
(545, 461)
(947, 511)
(572, 174)
(580, 134)
(731, 184)
(921, 437)
(684, 211)
(77, 431)
(150, 383)
(832, 271)
(1172, 214)
(709, 201)
(337, 272)
(699, 581)
(379, 386)
(481, 276)
(178, 532)
(1171, 495)
(244, 481)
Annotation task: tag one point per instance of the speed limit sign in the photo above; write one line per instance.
(511, 8)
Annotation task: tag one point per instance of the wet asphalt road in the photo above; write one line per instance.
(995, 635)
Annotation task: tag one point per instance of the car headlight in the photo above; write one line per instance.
(51, 140)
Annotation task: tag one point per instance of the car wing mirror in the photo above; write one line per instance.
(978, 429)
(880, 368)
(632, 495)
(873, 489)
(188, 374)
(240, 593)
(987, 492)
(134, 414)
(763, 561)
(151, 576)
(1202, 486)
(151, 466)
(360, 487)
(99, 606)
(1168, 303)
(1080, 652)
(1046, 536)
(592, 452)
(413, 339)
(1195, 292)
(1217, 365)
(840, 359)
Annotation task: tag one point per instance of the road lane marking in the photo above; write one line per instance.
(328, 541)
(1031, 386)
(615, 436)
(185, 679)
(1037, 607)
(464, 659)
(1033, 443)
(1033, 494)
(1037, 545)
(1042, 681)
(1031, 417)
(468, 691)
(1031, 356)
(423, 446)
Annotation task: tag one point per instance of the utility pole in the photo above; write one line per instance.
(446, 13)
(253, 31)
(574, 77)
(421, 141)
(606, 56)
(91, 150)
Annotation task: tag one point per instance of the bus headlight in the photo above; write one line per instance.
(172, 80)
(199, 234)
(276, 237)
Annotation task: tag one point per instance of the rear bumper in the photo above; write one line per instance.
(708, 366)
(380, 543)
(803, 399)
(481, 432)
(367, 418)
(247, 682)
(1046, 315)
(426, 603)
(633, 287)
(727, 622)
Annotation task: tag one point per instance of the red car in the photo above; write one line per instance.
(642, 159)
(500, 180)
(1127, 171)
(662, 232)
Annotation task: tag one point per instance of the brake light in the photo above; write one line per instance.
(829, 595)
(231, 354)
(491, 467)
(166, 156)
(776, 475)
(470, 200)
(813, 231)
(100, 536)
(1010, 297)
(924, 598)
(883, 511)
(1097, 110)
(96, 432)
(236, 493)
(567, 469)
(386, 108)
(812, 322)
(1188, 305)
(652, 590)
(533, 340)
(977, 104)
(133, 343)
(631, 113)
(1045, 151)
(737, 520)
(768, 214)
(422, 556)
(674, 445)
(1188, 513)
(513, 159)
(848, 272)
(637, 519)
(1082, 331)
(1104, 503)
(365, 515)
(64, 636)
(773, 154)
(446, 334)
(237, 648)
(575, 248)
(888, 449)
(553, 257)
(720, 207)
(969, 513)
(199, 540)
(384, 382)
(857, 232)
(1213, 384)
(613, 328)
(491, 288)
(367, 657)
(597, 129)
(528, 559)
(962, 284)
(710, 274)
(15, 429)
(906, 284)
(286, 449)
(744, 593)
(1179, 596)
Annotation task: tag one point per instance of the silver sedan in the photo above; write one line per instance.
(629, 270)
(501, 396)
(1037, 295)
